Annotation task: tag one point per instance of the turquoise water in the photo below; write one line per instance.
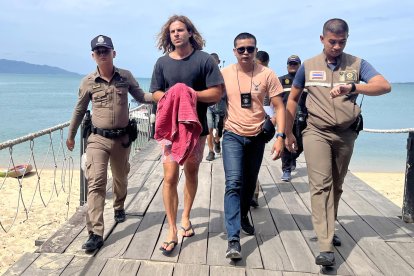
(385, 152)
(30, 103)
(33, 102)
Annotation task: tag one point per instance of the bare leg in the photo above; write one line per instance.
(170, 197)
(190, 190)
(210, 139)
(216, 137)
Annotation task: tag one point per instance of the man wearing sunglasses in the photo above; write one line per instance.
(289, 158)
(246, 84)
(333, 82)
(107, 88)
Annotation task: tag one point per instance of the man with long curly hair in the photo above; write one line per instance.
(184, 62)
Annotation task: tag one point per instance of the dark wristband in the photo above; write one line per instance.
(280, 134)
(353, 87)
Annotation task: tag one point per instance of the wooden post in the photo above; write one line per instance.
(83, 142)
(83, 181)
(408, 203)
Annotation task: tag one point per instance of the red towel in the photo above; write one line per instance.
(177, 122)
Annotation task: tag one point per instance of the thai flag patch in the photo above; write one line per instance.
(317, 75)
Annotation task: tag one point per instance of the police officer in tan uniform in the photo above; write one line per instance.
(107, 87)
(333, 82)
(289, 158)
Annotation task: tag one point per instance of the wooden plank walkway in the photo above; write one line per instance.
(375, 241)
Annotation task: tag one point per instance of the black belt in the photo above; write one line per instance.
(109, 133)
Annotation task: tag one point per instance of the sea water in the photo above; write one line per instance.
(30, 103)
(382, 151)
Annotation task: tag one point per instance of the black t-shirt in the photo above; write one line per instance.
(198, 71)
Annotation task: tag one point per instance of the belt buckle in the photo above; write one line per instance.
(117, 133)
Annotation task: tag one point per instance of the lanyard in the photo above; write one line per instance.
(251, 79)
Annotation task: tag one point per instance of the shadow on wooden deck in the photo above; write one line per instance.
(375, 241)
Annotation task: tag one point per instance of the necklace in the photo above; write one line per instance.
(256, 86)
(251, 80)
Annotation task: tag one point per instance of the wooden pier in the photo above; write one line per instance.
(375, 241)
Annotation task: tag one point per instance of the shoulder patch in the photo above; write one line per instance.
(348, 76)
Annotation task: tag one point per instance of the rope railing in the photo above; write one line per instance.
(53, 170)
(25, 186)
(401, 130)
(32, 136)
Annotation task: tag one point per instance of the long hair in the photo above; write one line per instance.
(164, 41)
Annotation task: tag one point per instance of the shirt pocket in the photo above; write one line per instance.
(121, 94)
(100, 99)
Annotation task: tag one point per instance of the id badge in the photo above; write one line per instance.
(246, 100)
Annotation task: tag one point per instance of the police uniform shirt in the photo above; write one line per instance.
(109, 100)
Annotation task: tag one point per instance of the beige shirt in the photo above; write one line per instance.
(109, 100)
(248, 121)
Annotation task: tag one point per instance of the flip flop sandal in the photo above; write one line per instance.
(166, 252)
(190, 227)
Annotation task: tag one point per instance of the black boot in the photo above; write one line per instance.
(120, 216)
(325, 259)
(94, 242)
(336, 241)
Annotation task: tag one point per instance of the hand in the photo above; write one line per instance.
(70, 144)
(290, 143)
(277, 148)
(148, 97)
(340, 90)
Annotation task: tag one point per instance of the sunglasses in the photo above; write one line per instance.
(293, 63)
(250, 49)
(102, 51)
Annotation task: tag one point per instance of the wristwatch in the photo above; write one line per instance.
(353, 88)
(280, 134)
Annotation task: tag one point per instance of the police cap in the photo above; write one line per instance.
(293, 58)
(102, 41)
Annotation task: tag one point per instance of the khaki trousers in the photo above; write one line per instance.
(100, 151)
(327, 157)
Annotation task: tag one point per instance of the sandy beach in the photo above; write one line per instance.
(44, 221)
(390, 185)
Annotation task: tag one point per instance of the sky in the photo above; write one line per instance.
(58, 32)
